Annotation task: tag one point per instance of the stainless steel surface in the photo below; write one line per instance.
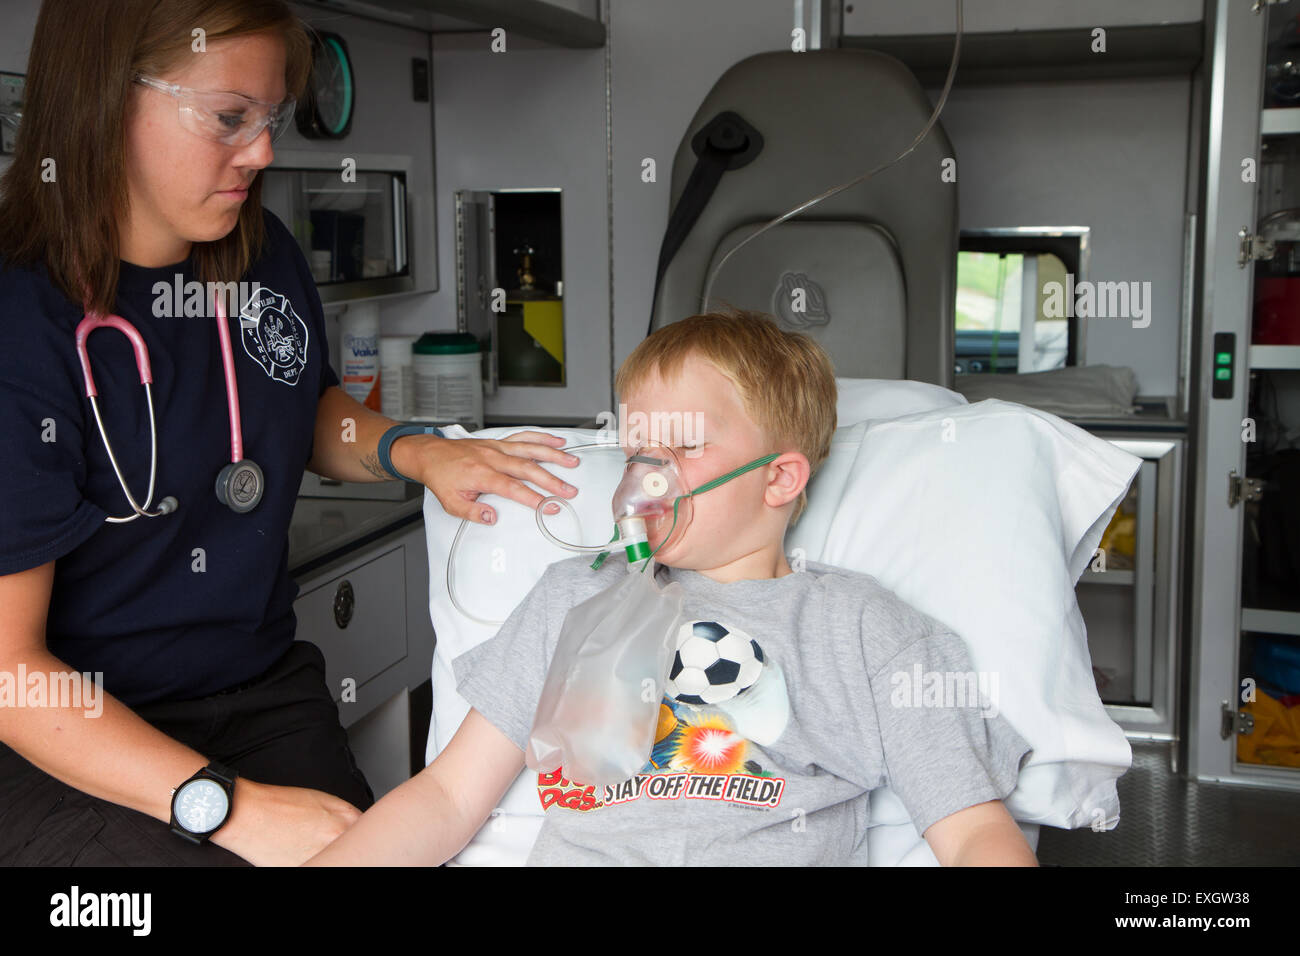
(1166, 820)
(1153, 415)
(321, 526)
(314, 486)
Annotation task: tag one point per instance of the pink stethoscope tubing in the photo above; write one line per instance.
(93, 321)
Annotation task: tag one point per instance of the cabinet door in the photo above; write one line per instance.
(1130, 602)
(358, 620)
(1232, 85)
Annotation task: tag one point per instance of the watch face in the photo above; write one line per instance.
(201, 806)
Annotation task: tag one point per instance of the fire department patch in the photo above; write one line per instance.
(274, 335)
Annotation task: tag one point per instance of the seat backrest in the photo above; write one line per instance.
(874, 266)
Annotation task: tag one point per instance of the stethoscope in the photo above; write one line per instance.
(239, 484)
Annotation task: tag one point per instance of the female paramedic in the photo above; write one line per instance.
(144, 530)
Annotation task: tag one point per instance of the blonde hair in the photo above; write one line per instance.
(785, 380)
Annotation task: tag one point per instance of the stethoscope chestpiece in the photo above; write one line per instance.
(240, 485)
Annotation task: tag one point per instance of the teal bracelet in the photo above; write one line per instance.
(396, 432)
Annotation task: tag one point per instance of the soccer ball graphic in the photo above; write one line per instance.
(713, 663)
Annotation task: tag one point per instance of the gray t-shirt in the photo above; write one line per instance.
(827, 685)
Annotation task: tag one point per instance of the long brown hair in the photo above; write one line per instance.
(83, 58)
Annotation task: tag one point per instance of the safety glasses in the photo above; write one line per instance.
(227, 118)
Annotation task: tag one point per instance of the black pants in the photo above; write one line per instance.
(282, 729)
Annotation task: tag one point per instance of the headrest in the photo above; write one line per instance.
(826, 117)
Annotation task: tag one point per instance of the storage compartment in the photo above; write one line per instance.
(350, 221)
(357, 619)
(1129, 594)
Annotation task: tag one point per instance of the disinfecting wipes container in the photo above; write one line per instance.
(449, 378)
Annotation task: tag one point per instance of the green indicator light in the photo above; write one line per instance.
(1222, 374)
(1223, 358)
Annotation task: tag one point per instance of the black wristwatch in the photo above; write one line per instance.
(202, 804)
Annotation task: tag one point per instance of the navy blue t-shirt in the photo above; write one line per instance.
(183, 605)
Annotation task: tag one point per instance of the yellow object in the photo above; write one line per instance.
(1120, 536)
(1276, 737)
(667, 723)
(544, 321)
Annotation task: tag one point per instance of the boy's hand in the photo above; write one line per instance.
(429, 818)
(982, 835)
(282, 826)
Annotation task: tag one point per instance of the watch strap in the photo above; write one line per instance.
(400, 431)
(220, 772)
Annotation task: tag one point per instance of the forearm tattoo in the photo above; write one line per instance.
(372, 465)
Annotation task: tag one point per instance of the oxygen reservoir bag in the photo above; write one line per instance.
(599, 707)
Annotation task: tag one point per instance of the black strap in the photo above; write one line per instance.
(223, 773)
(725, 142)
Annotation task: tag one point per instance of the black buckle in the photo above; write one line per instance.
(727, 133)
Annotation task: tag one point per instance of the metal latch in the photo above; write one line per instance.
(1242, 489)
(1236, 721)
(1253, 247)
(345, 602)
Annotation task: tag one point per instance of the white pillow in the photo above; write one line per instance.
(860, 399)
(1069, 780)
(984, 516)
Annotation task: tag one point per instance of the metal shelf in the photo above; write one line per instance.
(1270, 622)
(1107, 577)
(1275, 356)
(1279, 121)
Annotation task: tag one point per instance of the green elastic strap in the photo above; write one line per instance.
(600, 558)
(707, 486)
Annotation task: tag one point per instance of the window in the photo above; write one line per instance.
(1001, 325)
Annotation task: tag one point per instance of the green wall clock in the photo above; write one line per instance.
(326, 111)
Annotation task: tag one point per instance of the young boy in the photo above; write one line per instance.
(778, 768)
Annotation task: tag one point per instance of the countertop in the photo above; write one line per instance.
(1155, 414)
(324, 528)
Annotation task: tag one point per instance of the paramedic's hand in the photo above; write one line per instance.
(458, 470)
(282, 826)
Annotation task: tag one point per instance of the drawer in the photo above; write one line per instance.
(357, 619)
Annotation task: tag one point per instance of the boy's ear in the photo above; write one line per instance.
(788, 475)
